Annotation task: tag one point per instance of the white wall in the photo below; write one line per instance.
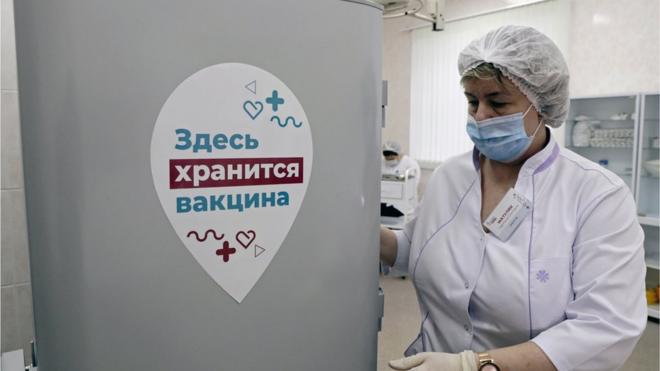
(396, 70)
(16, 312)
(615, 47)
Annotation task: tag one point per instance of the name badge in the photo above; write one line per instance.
(508, 215)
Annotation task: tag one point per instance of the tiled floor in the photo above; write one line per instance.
(402, 320)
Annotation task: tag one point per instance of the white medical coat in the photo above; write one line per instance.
(570, 278)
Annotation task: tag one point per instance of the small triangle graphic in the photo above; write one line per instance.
(258, 250)
(252, 86)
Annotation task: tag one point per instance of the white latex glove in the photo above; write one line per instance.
(433, 361)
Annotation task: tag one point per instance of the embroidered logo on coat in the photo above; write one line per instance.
(542, 276)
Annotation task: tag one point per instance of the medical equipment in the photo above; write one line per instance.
(431, 11)
(399, 191)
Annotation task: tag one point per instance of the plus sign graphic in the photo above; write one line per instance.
(226, 251)
(274, 100)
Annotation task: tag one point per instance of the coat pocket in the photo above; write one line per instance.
(550, 291)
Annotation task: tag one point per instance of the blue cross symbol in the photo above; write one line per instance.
(274, 100)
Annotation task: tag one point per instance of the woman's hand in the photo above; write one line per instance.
(465, 361)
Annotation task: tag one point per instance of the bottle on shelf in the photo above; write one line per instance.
(581, 134)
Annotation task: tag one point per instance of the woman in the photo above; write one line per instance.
(524, 255)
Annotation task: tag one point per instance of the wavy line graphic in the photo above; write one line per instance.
(206, 235)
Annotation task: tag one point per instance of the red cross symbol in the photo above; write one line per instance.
(225, 251)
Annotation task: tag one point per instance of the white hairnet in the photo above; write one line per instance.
(531, 61)
(392, 146)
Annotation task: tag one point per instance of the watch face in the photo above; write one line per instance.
(489, 367)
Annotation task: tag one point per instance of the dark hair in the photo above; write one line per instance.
(484, 71)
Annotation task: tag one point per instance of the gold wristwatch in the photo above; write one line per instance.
(487, 363)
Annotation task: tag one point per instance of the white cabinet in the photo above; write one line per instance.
(621, 133)
(611, 124)
(647, 186)
(648, 154)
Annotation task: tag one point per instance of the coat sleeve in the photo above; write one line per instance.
(403, 241)
(608, 312)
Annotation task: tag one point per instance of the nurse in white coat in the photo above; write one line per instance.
(396, 163)
(524, 255)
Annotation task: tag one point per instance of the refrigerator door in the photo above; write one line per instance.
(114, 286)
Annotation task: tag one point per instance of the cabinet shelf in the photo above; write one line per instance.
(592, 121)
(590, 147)
(652, 221)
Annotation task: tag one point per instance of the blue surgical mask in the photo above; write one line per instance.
(501, 138)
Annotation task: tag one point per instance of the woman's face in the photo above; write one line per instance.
(487, 98)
